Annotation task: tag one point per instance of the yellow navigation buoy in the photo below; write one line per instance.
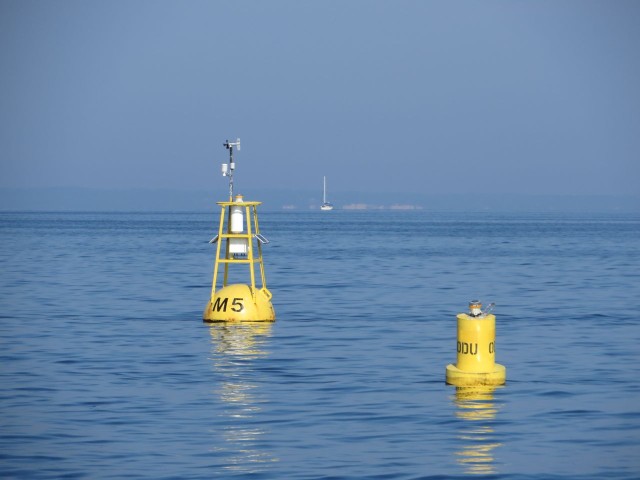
(240, 233)
(476, 347)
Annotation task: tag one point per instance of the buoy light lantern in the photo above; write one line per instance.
(476, 349)
(239, 232)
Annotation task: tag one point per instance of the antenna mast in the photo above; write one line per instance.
(227, 170)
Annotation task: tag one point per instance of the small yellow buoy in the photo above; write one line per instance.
(476, 347)
(243, 246)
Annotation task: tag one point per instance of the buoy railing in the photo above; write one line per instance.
(244, 253)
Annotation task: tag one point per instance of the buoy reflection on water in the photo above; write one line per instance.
(234, 347)
(477, 408)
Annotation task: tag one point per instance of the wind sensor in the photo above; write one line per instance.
(227, 169)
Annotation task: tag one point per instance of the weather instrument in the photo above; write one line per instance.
(227, 169)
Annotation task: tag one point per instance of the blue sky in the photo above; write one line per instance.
(536, 97)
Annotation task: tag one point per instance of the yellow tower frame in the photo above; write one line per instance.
(251, 212)
(239, 302)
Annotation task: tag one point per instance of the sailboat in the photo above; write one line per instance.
(325, 205)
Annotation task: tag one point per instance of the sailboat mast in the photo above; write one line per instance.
(324, 189)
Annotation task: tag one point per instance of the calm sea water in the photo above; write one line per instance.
(107, 370)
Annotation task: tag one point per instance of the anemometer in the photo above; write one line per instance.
(227, 170)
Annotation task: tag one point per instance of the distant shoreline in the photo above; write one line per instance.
(168, 200)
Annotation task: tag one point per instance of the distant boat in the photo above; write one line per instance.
(325, 205)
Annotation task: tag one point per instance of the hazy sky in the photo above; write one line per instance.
(380, 96)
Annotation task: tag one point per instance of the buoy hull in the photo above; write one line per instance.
(237, 303)
(476, 343)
